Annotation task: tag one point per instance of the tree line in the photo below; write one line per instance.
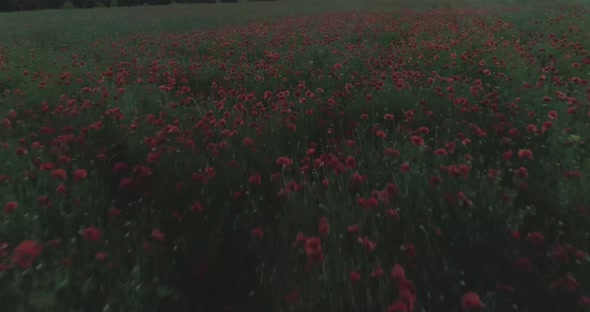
(30, 5)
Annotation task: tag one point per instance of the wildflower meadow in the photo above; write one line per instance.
(296, 157)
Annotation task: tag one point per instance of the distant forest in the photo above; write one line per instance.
(30, 5)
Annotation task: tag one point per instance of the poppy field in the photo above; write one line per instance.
(350, 160)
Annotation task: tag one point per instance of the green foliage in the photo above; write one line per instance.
(154, 163)
(68, 5)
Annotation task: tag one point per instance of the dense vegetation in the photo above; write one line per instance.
(30, 5)
(205, 158)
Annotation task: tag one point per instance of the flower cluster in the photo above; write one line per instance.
(447, 148)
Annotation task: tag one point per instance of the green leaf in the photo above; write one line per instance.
(43, 300)
(163, 291)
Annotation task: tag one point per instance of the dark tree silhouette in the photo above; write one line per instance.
(30, 5)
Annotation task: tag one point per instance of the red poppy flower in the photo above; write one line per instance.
(10, 207)
(248, 142)
(324, 226)
(80, 174)
(417, 140)
(536, 238)
(255, 179)
(158, 235)
(25, 253)
(377, 272)
(91, 234)
(440, 152)
(404, 167)
(354, 276)
(59, 174)
(284, 161)
(257, 232)
(397, 273)
(367, 243)
(353, 228)
(525, 153)
(313, 249)
(471, 301)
